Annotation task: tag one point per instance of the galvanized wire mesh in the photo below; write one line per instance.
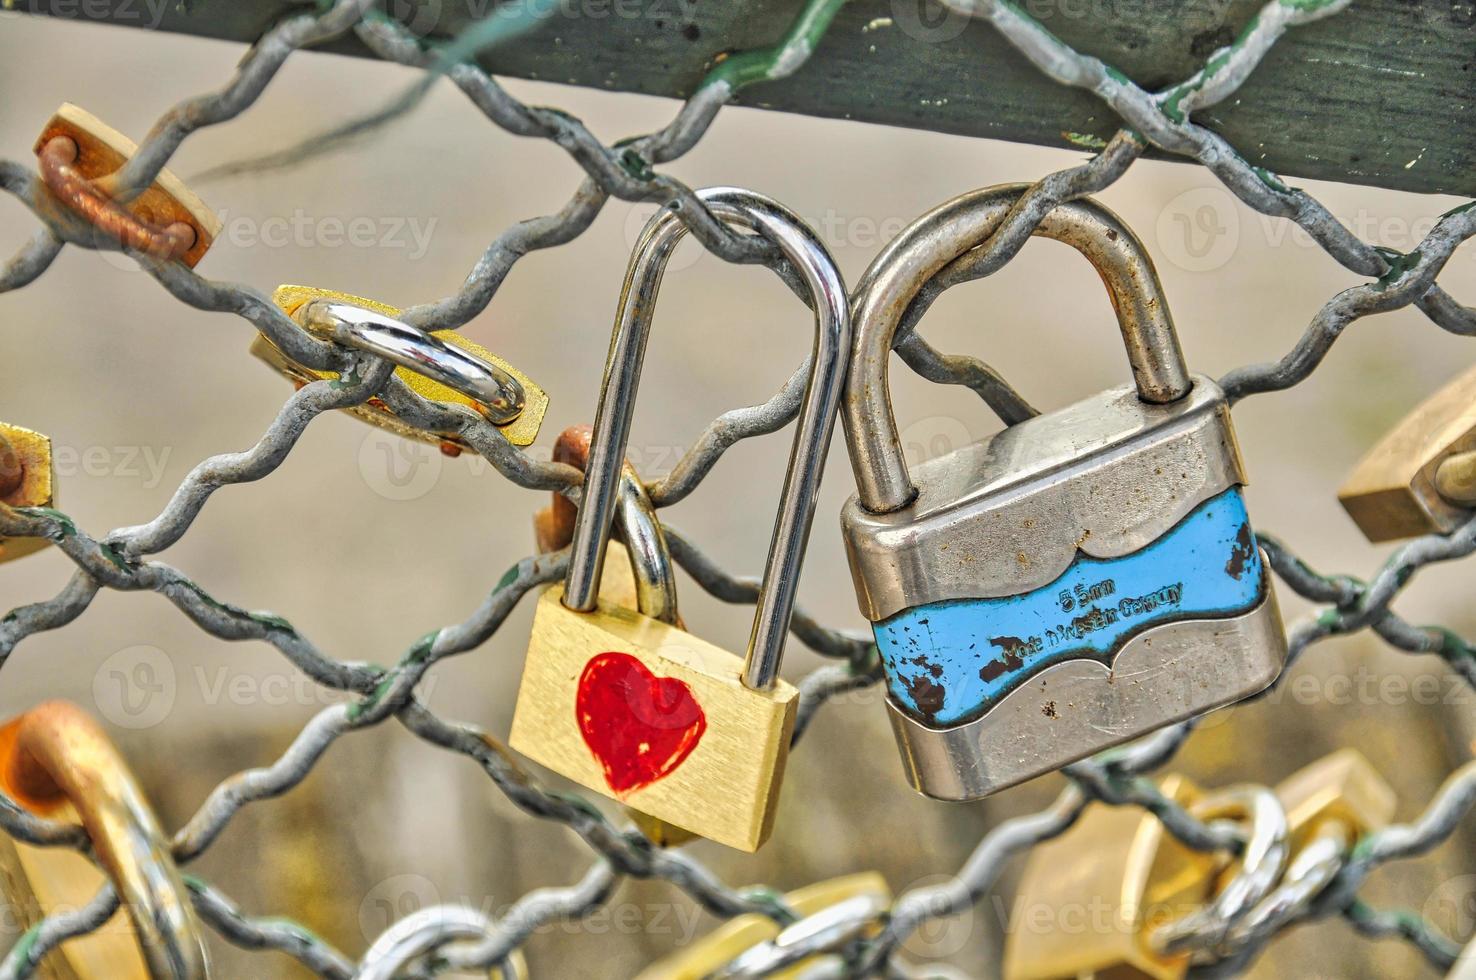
(119, 560)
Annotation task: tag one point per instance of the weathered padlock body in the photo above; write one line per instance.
(1070, 583)
(1391, 493)
(654, 716)
(33, 485)
(521, 431)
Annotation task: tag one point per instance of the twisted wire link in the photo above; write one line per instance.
(626, 170)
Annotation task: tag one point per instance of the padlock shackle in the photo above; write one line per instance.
(808, 255)
(635, 516)
(57, 754)
(499, 394)
(945, 243)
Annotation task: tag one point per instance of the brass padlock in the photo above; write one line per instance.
(1072, 582)
(1329, 805)
(710, 953)
(637, 575)
(27, 479)
(1120, 875)
(1421, 477)
(652, 715)
(441, 366)
(56, 762)
(80, 155)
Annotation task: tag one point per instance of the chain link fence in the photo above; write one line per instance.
(464, 938)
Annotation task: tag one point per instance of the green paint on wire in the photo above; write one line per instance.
(777, 61)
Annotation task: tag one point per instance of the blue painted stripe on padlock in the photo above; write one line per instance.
(949, 662)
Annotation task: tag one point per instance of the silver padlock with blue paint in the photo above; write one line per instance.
(1075, 581)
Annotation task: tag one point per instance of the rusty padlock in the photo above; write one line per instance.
(57, 762)
(80, 155)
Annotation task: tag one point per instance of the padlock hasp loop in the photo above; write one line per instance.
(946, 243)
(827, 293)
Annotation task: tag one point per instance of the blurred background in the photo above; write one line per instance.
(365, 542)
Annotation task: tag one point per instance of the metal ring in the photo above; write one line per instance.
(635, 516)
(822, 932)
(1261, 864)
(799, 244)
(945, 241)
(426, 932)
(83, 197)
(1310, 870)
(498, 394)
(57, 754)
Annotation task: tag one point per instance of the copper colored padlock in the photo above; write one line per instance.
(79, 155)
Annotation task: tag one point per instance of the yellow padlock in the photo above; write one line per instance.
(1421, 477)
(519, 424)
(659, 719)
(740, 934)
(56, 762)
(553, 528)
(1090, 900)
(27, 479)
(80, 155)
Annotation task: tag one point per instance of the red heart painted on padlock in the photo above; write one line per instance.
(639, 726)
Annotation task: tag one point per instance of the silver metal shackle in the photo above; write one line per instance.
(499, 393)
(808, 255)
(645, 542)
(943, 243)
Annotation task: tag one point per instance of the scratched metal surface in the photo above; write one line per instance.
(119, 561)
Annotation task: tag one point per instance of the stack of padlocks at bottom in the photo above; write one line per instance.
(1075, 581)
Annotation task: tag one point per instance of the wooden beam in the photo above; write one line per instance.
(1383, 93)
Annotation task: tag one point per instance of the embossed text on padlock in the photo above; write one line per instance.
(1077, 580)
(659, 718)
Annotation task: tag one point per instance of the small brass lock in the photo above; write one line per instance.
(320, 310)
(1421, 477)
(710, 953)
(652, 715)
(642, 579)
(1073, 582)
(1090, 900)
(27, 477)
(56, 762)
(79, 154)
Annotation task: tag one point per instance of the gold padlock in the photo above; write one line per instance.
(649, 714)
(1090, 900)
(738, 935)
(56, 762)
(1341, 790)
(519, 423)
(80, 156)
(654, 589)
(1421, 477)
(27, 479)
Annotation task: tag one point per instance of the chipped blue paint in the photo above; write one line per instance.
(948, 662)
